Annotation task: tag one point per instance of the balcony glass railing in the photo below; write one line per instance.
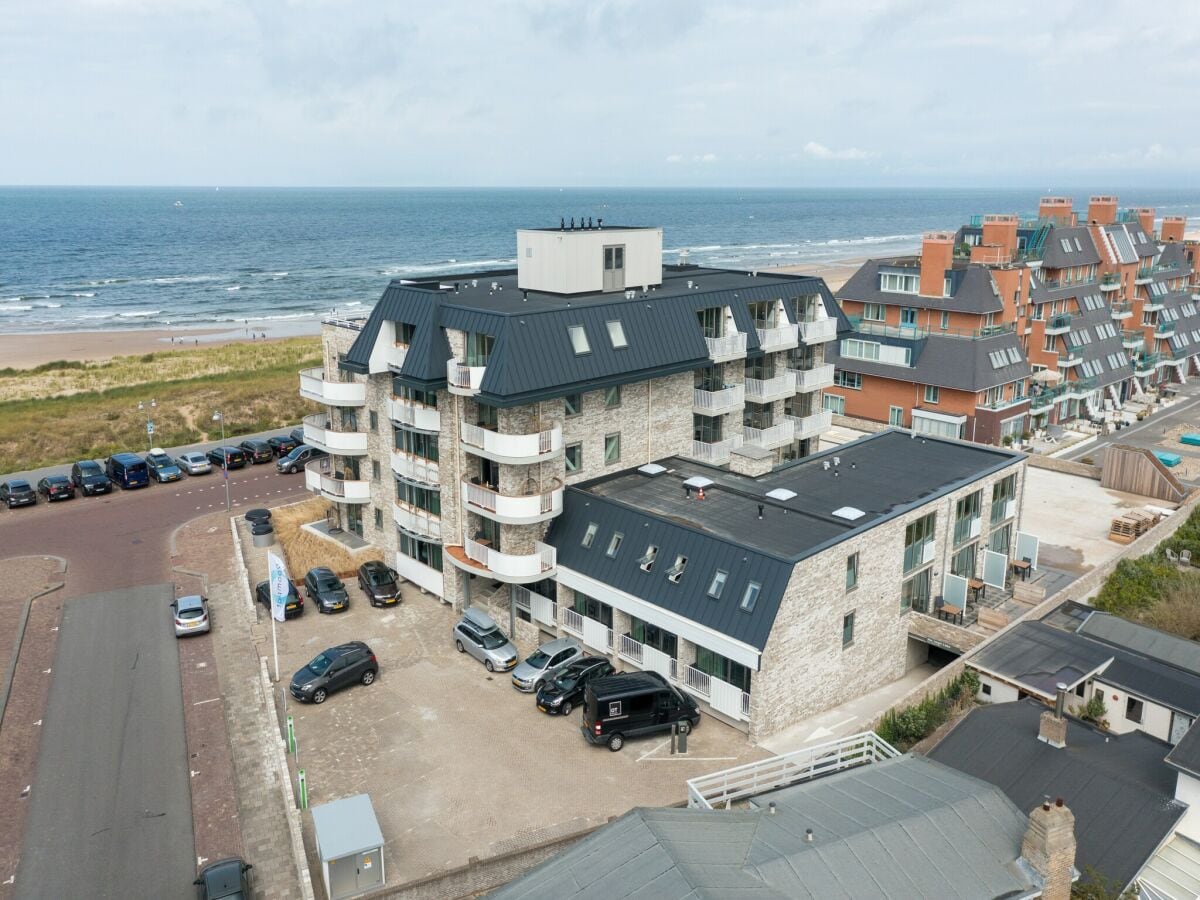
(863, 326)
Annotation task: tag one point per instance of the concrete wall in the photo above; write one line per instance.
(1000, 692)
(1156, 720)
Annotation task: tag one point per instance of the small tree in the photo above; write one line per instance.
(1094, 886)
(1094, 709)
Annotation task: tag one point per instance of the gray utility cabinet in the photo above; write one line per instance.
(350, 845)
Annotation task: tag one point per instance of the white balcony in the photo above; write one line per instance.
(722, 696)
(1153, 304)
(715, 454)
(718, 403)
(414, 468)
(595, 634)
(730, 346)
(522, 509)
(417, 521)
(414, 415)
(766, 390)
(514, 449)
(541, 609)
(818, 332)
(464, 380)
(320, 478)
(395, 356)
(319, 434)
(1121, 310)
(314, 386)
(814, 379)
(782, 337)
(478, 558)
(769, 438)
(811, 426)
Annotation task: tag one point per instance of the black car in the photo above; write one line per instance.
(17, 493)
(380, 583)
(297, 459)
(336, 668)
(89, 478)
(282, 444)
(56, 487)
(226, 457)
(326, 590)
(565, 692)
(257, 451)
(293, 606)
(226, 879)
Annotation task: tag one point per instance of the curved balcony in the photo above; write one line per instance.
(514, 449)
(314, 386)
(415, 468)
(417, 521)
(765, 390)
(1132, 340)
(320, 478)
(1164, 330)
(464, 380)
(319, 434)
(414, 415)
(522, 509)
(1153, 304)
(478, 558)
(718, 403)
(1070, 357)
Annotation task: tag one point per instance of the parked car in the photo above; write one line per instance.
(326, 590)
(565, 692)
(89, 478)
(633, 704)
(297, 434)
(191, 615)
(293, 606)
(478, 634)
(225, 879)
(227, 457)
(336, 668)
(162, 467)
(194, 463)
(17, 492)
(282, 444)
(256, 451)
(545, 663)
(380, 583)
(127, 470)
(56, 487)
(296, 460)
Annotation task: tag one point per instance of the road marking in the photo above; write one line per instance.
(820, 732)
(209, 700)
(47, 671)
(655, 750)
(38, 722)
(683, 757)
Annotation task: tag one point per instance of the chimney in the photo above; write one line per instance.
(1057, 208)
(1145, 215)
(1049, 848)
(937, 256)
(1001, 231)
(1052, 727)
(1172, 228)
(1102, 209)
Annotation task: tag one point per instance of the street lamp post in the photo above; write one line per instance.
(219, 417)
(147, 408)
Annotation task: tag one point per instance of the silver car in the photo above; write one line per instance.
(194, 463)
(191, 615)
(478, 634)
(544, 664)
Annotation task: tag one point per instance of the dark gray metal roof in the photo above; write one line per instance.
(425, 362)
(1055, 257)
(884, 475)
(1163, 683)
(1151, 642)
(1118, 787)
(1038, 657)
(904, 828)
(1186, 754)
(951, 362)
(973, 289)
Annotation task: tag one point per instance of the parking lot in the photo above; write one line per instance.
(456, 761)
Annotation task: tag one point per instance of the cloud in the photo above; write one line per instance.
(820, 151)
(675, 158)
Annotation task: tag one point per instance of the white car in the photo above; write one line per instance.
(194, 463)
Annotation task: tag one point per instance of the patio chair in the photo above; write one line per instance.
(1185, 557)
(1172, 555)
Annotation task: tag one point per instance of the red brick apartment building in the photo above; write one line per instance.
(1006, 326)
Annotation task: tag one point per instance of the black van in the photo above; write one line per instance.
(128, 470)
(632, 704)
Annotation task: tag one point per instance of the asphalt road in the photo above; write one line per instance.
(110, 809)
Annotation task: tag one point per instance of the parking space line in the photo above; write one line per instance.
(209, 700)
(654, 750)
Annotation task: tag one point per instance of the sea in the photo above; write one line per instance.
(90, 259)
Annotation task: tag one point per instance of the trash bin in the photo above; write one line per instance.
(254, 516)
(264, 534)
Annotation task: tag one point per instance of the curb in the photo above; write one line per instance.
(20, 638)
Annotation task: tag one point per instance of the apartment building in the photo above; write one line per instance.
(460, 410)
(1006, 326)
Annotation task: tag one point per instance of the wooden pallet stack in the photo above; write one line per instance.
(1131, 525)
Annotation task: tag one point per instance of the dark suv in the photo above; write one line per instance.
(336, 668)
(379, 583)
(89, 478)
(293, 604)
(282, 444)
(226, 457)
(17, 493)
(257, 451)
(326, 590)
(565, 692)
(297, 458)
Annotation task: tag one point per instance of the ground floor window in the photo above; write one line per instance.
(915, 592)
(1012, 428)
(354, 520)
(896, 416)
(834, 403)
(727, 670)
(998, 541)
(422, 551)
(653, 636)
(591, 608)
(963, 562)
(1133, 710)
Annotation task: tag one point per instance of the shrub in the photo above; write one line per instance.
(1094, 709)
(1136, 584)
(905, 727)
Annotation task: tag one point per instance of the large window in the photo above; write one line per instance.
(915, 592)
(918, 542)
(896, 416)
(706, 429)
(612, 396)
(933, 393)
(427, 499)
(727, 670)
(572, 405)
(591, 608)
(834, 403)
(712, 321)
(417, 443)
(1003, 491)
(874, 312)
(1000, 539)
(422, 551)
(852, 380)
(653, 636)
(573, 457)
(962, 563)
(479, 348)
(900, 283)
(612, 449)
(966, 517)
(404, 333)
(402, 391)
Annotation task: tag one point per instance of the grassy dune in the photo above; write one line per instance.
(61, 412)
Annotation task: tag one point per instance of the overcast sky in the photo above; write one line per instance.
(600, 92)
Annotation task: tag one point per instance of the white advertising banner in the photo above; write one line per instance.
(277, 574)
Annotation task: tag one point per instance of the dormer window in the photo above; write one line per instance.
(579, 340)
(676, 571)
(404, 334)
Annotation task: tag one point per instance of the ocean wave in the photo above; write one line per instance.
(303, 315)
(184, 279)
(236, 287)
(84, 294)
(14, 307)
(872, 239)
(104, 281)
(433, 268)
(138, 315)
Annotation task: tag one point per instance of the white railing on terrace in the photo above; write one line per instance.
(780, 337)
(504, 507)
(416, 415)
(715, 790)
(541, 609)
(811, 426)
(715, 454)
(414, 468)
(814, 378)
(572, 621)
(333, 393)
(729, 346)
(766, 390)
(597, 635)
(533, 447)
(697, 681)
(630, 649)
(319, 433)
(320, 477)
(769, 438)
(462, 379)
(417, 520)
(718, 402)
(530, 565)
(819, 331)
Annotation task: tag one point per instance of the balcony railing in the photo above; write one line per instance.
(572, 621)
(1071, 356)
(541, 609)
(1121, 309)
(912, 332)
(1164, 329)
(630, 649)
(727, 347)
(781, 337)
(1132, 340)
(1144, 363)
(715, 454)
(417, 521)
(1002, 403)
(1002, 510)
(814, 379)
(1079, 389)
(1154, 304)
(479, 558)
(967, 529)
(1058, 324)
(314, 386)
(718, 403)
(415, 468)
(462, 379)
(594, 634)
(771, 437)
(416, 415)
(523, 509)
(320, 478)
(1144, 275)
(395, 356)
(765, 390)
(818, 332)
(515, 449)
(319, 434)
(811, 426)
(1109, 282)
